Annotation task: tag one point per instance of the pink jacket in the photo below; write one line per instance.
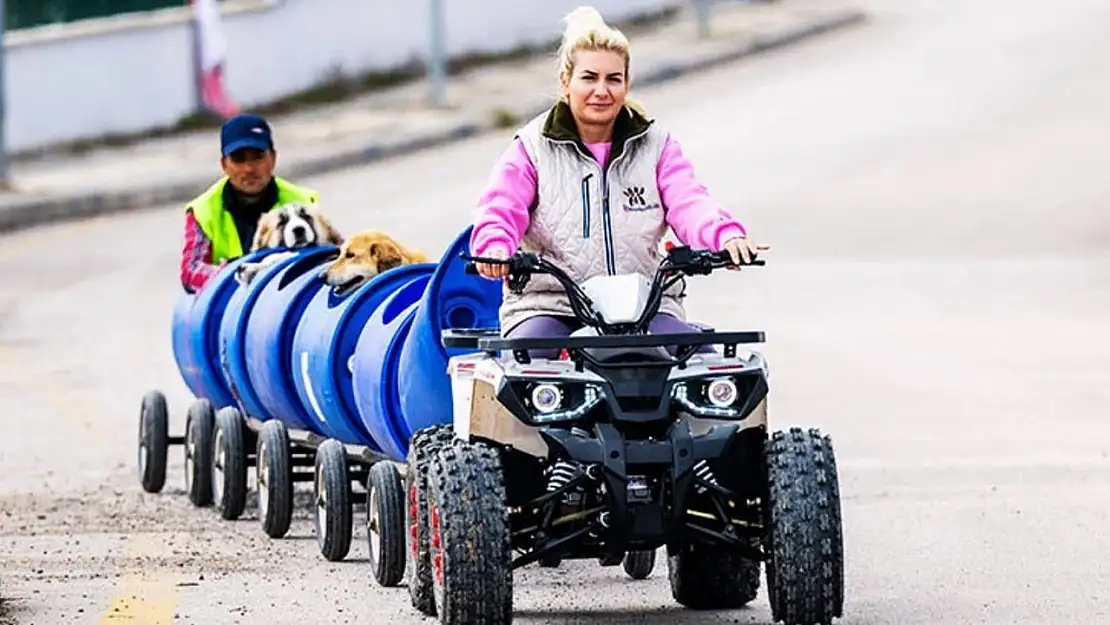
(503, 208)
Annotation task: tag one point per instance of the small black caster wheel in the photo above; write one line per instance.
(639, 564)
(229, 464)
(385, 523)
(200, 421)
(332, 486)
(154, 441)
(274, 476)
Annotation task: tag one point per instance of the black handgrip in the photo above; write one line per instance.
(470, 269)
(724, 257)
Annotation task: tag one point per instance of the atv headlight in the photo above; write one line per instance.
(546, 398)
(716, 398)
(721, 393)
(552, 402)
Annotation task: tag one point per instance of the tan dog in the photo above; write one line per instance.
(365, 255)
(293, 225)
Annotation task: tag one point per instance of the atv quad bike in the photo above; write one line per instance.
(619, 447)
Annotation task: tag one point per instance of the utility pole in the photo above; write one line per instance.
(701, 8)
(5, 183)
(437, 61)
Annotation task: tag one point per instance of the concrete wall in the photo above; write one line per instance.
(132, 73)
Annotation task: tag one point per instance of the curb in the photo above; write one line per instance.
(39, 211)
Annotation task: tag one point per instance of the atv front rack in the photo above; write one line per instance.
(490, 341)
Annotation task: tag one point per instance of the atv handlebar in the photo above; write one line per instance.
(680, 261)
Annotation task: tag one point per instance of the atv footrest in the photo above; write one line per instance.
(466, 338)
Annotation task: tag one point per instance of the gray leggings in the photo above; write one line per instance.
(549, 326)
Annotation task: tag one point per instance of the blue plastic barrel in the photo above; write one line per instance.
(324, 344)
(233, 328)
(452, 300)
(376, 367)
(202, 329)
(268, 338)
(182, 353)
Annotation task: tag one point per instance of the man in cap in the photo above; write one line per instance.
(220, 223)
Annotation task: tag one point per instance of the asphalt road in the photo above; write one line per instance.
(935, 188)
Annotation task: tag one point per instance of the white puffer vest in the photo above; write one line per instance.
(588, 221)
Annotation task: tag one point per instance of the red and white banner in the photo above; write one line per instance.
(211, 54)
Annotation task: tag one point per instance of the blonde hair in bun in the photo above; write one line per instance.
(587, 30)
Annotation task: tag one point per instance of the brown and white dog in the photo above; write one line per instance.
(294, 226)
(365, 255)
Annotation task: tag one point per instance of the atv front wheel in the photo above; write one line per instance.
(805, 572)
(468, 525)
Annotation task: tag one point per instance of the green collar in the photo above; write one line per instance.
(560, 126)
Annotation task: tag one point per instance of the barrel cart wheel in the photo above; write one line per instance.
(639, 564)
(332, 486)
(385, 523)
(274, 478)
(153, 441)
(229, 463)
(199, 426)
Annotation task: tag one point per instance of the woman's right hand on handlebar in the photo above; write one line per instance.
(493, 271)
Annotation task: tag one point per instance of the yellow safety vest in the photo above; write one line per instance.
(219, 226)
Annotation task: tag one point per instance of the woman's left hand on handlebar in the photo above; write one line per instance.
(493, 271)
(742, 250)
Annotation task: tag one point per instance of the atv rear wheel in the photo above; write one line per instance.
(468, 526)
(805, 572)
(710, 577)
(417, 565)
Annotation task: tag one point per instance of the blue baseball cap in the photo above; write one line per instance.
(245, 131)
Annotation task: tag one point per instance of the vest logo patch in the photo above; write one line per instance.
(634, 200)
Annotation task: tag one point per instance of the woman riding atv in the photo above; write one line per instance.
(593, 184)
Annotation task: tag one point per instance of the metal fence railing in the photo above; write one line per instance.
(26, 13)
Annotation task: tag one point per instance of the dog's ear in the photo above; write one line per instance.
(327, 232)
(389, 255)
(262, 233)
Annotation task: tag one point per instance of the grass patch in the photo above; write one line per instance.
(504, 118)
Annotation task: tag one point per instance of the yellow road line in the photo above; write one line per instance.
(142, 602)
(146, 593)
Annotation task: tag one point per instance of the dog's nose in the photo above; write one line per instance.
(299, 232)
